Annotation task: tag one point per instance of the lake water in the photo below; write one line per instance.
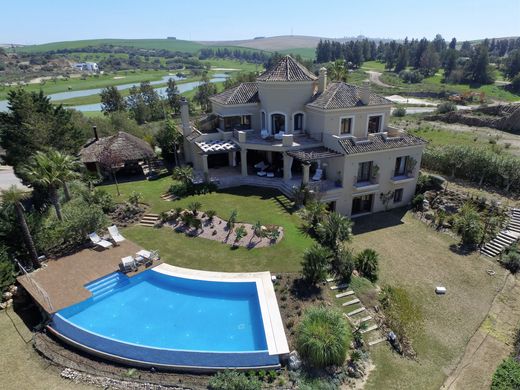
(94, 91)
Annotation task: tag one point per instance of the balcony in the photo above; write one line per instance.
(280, 141)
(401, 179)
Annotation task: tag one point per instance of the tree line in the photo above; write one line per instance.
(257, 57)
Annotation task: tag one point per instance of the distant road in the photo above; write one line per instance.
(374, 78)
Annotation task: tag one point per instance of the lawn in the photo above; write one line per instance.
(442, 137)
(252, 204)
(412, 256)
(20, 366)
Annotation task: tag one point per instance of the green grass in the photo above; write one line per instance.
(20, 366)
(101, 81)
(436, 85)
(373, 65)
(167, 44)
(252, 204)
(233, 64)
(441, 137)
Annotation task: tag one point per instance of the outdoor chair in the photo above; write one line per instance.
(318, 175)
(264, 133)
(114, 234)
(128, 263)
(96, 240)
(279, 136)
(146, 257)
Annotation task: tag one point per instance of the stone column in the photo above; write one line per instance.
(205, 167)
(232, 159)
(243, 162)
(306, 173)
(287, 165)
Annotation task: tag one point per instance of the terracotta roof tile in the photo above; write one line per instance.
(379, 141)
(342, 95)
(241, 94)
(287, 69)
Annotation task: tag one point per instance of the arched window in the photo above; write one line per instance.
(277, 123)
(298, 122)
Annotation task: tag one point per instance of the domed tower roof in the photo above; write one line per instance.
(287, 70)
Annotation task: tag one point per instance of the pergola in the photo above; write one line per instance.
(307, 156)
(216, 147)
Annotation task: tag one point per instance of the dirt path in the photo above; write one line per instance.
(374, 78)
(491, 343)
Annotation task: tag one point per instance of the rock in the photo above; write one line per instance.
(426, 205)
(429, 215)
(13, 290)
(7, 295)
(294, 361)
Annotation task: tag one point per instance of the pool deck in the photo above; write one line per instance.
(64, 279)
(272, 320)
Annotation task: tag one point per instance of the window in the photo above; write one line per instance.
(277, 123)
(362, 204)
(298, 122)
(239, 122)
(400, 166)
(264, 125)
(345, 126)
(364, 171)
(374, 124)
(398, 195)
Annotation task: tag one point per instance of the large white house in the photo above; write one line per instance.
(290, 127)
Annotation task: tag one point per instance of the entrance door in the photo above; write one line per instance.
(362, 204)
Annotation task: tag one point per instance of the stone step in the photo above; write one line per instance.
(345, 294)
(364, 319)
(357, 311)
(514, 229)
(376, 341)
(489, 252)
(510, 234)
(330, 280)
(495, 245)
(369, 329)
(151, 215)
(506, 237)
(492, 249)
(352, 302)
(339, 286)
(147, 224)
(502, 240)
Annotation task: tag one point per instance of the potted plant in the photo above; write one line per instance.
(374, 173)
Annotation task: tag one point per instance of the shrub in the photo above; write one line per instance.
(507, 375)
(446, 107)
(232, 220)
(399, 111)
(233, 380)
(194, 207)
(315, 264)
(411, 76)
(511, 261)
(342, 265)
(515, 83)
(7, 271)
(134, 198)
(101, 198)
(211, 214)
(402, 315)
(323, 337)
(240, 233)
(417, 202)
(469, 226)
(179, 189)
(367, 263)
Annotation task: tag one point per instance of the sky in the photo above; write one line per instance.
(38, 21)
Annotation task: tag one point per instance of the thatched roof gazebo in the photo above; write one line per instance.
(118, 151)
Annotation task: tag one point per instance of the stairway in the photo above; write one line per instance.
(505, 238)
(149, 220)
(104, 286)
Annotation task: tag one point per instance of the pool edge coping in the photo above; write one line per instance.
(271, 317)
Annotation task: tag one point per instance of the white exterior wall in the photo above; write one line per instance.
(386, 162)
(286, 98)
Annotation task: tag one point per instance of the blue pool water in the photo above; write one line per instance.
(162, 311)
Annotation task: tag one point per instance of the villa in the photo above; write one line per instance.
(292, 127)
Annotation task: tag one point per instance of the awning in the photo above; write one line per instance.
(217, 146)
(314, 154)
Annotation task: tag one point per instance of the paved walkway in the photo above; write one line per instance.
(8, 178)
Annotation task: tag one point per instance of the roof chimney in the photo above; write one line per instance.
(322, 80)
(364, 93)
(185, 116)
(94, 129)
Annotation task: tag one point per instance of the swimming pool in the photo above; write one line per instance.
(166, 317)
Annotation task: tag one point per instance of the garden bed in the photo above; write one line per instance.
(216, 229)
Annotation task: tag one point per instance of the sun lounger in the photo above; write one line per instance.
(114, 233)
(146, 257)
(128, 263)
(96, 240)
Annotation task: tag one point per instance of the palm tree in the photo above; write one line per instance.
(183, 174)
(313, 214)
(334, 230)
(13, 197)
(43, 171)
(367, 263)
(315, 264)
(66, 166)
(338, 71)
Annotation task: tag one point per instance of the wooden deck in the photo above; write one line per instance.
(63, 280)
